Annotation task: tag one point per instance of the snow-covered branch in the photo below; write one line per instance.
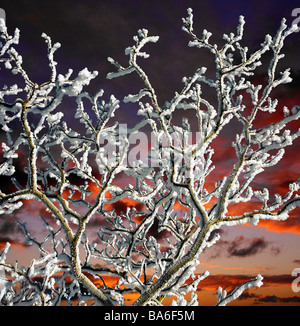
(155, 216)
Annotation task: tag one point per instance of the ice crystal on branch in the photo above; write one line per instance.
(145, 246)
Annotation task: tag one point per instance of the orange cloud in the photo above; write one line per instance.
(122, 204)
(259, 269)
(291, 225)
(230, 281)
(15, 244)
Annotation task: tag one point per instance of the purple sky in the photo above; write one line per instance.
(92, 30)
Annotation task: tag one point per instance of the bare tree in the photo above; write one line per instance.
(150, 250)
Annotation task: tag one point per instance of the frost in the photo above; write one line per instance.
(84, 77)
(10, 207)
(137, 97)
(223, 299)
(55, 118)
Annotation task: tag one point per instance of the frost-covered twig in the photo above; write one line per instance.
(223, 299)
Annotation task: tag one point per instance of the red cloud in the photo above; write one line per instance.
(230, 281)
(15, 244)
(121, 205)
(291, 225)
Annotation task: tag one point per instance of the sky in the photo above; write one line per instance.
(92, 30)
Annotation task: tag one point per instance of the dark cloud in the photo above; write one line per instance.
(290, 299)
(276, 299)
(246, 296)
(268, 299)
(10, 231)
(8, 227)
(242, 247)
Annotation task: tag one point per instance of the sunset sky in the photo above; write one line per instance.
(92, 30)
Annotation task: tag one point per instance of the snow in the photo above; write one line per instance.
(84, 77)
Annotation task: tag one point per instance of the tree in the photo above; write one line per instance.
(150, 249)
